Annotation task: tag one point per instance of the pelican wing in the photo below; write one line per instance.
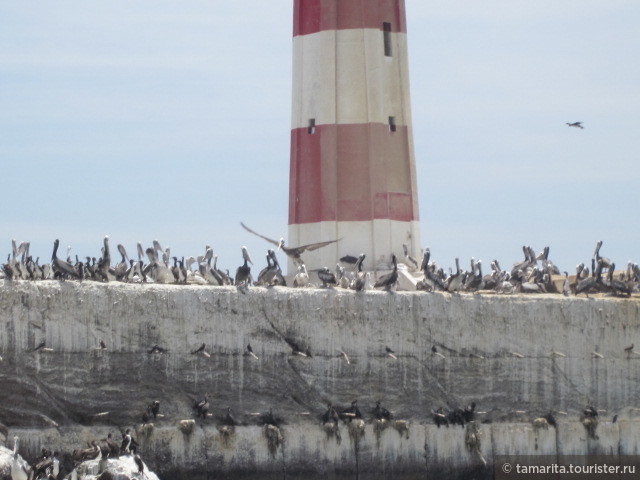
(313, 246)
(270, 240)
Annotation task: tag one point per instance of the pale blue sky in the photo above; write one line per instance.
(171, 120)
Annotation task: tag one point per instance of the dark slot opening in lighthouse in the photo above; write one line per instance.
(386, 32)
(392, 124)
(312, 126)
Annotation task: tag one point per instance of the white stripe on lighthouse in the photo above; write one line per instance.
(343, 77)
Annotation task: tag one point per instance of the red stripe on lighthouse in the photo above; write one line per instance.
(312, 16)
(352, 172)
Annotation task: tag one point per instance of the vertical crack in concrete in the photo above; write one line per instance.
(450, 398)
(557, 371)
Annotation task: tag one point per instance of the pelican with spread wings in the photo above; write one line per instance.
(292, 252)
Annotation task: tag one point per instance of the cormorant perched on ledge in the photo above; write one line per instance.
(381, 413)
(330, 415)
(351, 413)
(156, 349)
(202, 408)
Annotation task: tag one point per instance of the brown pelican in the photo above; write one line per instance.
(292, 252)
(575, 124)
(411, 261)
(121, 268)
(388, 280)
(105, 263)
(243, 273)
(589, 283)
(606, 263)
(61, 268)
(361, 277)
(617, 286)
(302, 277)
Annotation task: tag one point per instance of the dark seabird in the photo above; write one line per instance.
(155, 408)
(292, 252)
(200, 349)
(202, 408)
(351, 412)
(456, 417)
(327, 277)
(590, 412)
(156, 349)
(103, 346)
(228, 419)
(615, 418)
(390, 353)
(114, 448)
(439, 417)
(469, 412)
(349, 259)
(381, 413)
(387, 281)
(270, 419)
(330, 415)
(629, 349)
(250, 351)
(575, 124)
(129, 445)
(40, 346)
(139, 463)
(551, 420)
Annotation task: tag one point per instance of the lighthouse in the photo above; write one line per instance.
(352, 170)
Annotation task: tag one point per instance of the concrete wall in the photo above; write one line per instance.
(69, 386)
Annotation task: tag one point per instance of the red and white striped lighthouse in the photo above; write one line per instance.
(353, 172)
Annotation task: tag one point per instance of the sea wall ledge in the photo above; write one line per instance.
(307, 452)
(495, 350)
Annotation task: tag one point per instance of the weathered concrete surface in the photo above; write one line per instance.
(71, 384)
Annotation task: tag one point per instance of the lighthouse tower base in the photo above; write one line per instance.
(377, 239)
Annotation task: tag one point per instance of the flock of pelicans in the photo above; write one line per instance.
(536, 273)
